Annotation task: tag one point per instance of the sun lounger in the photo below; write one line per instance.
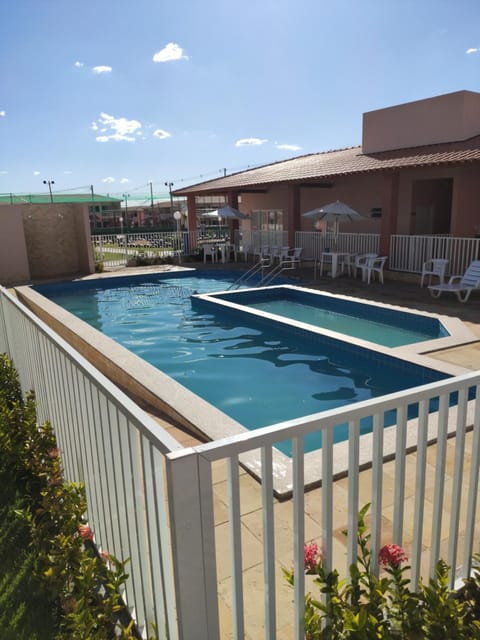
(462, 286)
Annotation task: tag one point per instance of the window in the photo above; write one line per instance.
(267, 220)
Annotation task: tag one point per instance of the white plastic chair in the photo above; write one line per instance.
(372, 266)
(360, 261)
(434, 267)
(273, 254)
(259, 253)
(209, 250)
(293, 259)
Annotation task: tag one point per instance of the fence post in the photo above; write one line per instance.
(190, 499)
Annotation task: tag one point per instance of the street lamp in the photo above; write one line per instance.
(178, 216)
(126, 196)
(170, 185)
(50, 182)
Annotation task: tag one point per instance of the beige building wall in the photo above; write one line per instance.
(13, 249)
(450, 117)
(44, 241)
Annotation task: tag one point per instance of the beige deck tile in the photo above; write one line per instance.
(250, 493)
(283, 519)
(252, 550)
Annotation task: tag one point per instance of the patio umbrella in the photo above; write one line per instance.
(335, 212)
(226, 212)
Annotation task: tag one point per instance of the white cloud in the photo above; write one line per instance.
(68, 173)
(170, 52)
(79, 64)
(3, 173)
(160, 133)
(116, 128)
(3, 113)
(36, 173)
(472, 50)
(289, 147)
(245, 142)
(101, 69)
(109, 180)
(124, 180)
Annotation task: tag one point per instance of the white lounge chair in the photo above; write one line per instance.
(434, 267)
(461, 286)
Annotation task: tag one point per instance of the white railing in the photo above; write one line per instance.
(443, 525)
(113, 447)
(225, 534)
(408, 253)
(315, 242)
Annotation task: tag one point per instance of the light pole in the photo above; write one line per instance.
(151, 194)
(50, 182)
(178, 216)
(126, 196)
(170, 185)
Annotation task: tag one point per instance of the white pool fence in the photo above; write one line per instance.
(407, 253)
(153, 502)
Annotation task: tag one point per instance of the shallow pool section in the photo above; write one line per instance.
(376, 324)
(254, 369)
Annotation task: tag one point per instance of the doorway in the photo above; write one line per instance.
(431, 206)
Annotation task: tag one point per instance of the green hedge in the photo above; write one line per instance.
(53, 584)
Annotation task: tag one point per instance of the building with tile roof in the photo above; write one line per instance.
(417, 172)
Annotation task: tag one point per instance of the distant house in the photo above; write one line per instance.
(417, 172)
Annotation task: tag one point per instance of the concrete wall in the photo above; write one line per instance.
(44, 241)
(13, 249)
(446, 118)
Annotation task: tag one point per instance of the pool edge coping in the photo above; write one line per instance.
(194, 413)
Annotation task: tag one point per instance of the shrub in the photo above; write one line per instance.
(369, 607)
(53, 584)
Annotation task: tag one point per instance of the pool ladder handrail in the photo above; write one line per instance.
(262, 264)
(283, 265)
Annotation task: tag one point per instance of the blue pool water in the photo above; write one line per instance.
(256, 371)
(388, 327)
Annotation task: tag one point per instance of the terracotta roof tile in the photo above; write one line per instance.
(331, 164)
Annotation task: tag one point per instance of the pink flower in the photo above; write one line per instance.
(392, 555)
(311, 556)
(53, 453)
(85, 532)
(105, 556)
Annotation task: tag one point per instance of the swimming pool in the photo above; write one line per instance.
(380, 325)
(255, 370)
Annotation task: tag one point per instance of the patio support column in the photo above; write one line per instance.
(233, 223)
(389, 210)
(192, 213)
(293, 213)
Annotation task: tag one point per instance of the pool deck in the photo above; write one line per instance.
(401, 293)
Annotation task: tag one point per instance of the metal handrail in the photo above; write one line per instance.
(258, 266)
(284, 265)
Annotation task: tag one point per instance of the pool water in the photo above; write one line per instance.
(377, 324)
(257, 372)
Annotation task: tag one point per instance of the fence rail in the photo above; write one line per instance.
(201, 557)
(408, 253)
(113, 447)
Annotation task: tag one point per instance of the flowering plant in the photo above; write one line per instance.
(369, 607)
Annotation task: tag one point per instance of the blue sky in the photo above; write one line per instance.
(122, 93)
